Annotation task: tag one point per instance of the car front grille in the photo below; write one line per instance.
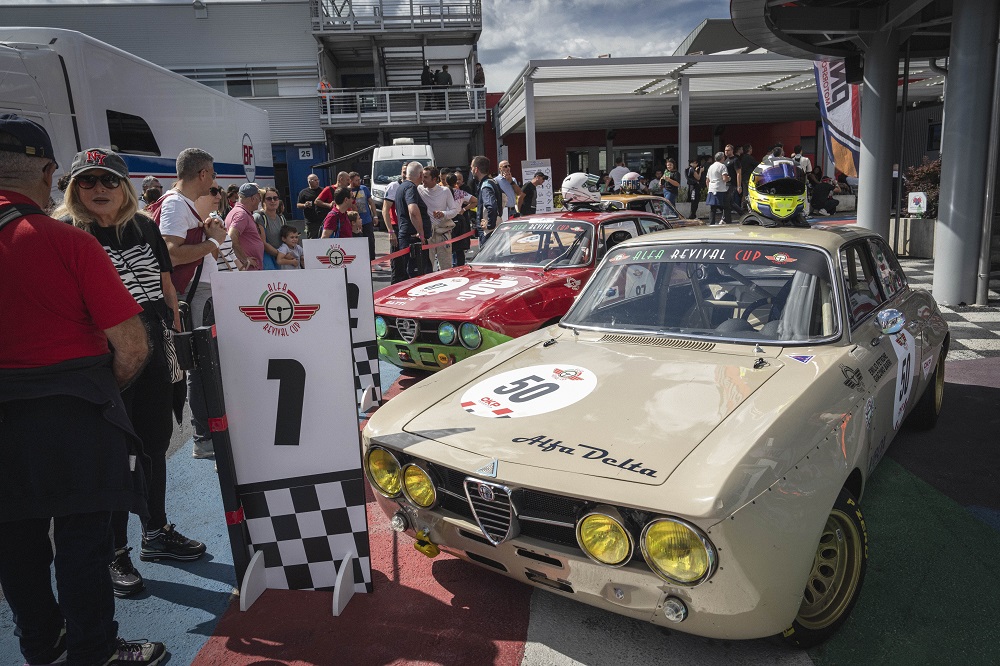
(539, 515)
(427, 330)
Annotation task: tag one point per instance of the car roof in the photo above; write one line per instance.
(581, 215)
(629, 197)
(828, 237)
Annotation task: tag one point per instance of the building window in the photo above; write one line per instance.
(239, 88)
(265, 88)
(215, 85)
(131, 134)
(934, 138)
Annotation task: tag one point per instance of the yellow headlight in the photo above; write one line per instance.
(418, 486)
(383, 470)
(676, 552)
(604, 539)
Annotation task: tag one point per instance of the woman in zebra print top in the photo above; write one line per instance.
(100, 200)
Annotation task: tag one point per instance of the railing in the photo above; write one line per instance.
(352, 107)
(394, 15)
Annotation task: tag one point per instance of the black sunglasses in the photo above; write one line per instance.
(108, 180)
(215, 191)
(272, 199)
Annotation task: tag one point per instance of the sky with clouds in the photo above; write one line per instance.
(515, 31)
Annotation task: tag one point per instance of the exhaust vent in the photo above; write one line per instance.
(658, 342)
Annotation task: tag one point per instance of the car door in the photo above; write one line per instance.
(649, 225)
(909, 342)
(871, 367)
(614, 232)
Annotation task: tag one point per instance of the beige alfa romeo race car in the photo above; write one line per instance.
(690, 444)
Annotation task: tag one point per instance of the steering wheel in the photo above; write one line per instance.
(755, 306)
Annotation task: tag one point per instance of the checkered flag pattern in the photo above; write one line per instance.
(975, 330)
(366, 370)
(305, 531)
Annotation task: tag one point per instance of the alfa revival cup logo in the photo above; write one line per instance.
(279, 310)
(336, 256)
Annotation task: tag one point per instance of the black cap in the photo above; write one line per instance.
(30, 137)
(99, 158)
(542, 174)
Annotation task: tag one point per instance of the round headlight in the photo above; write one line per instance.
(447, 333)
(381, 328)
(676, 552)
(383, 470)
(604, 539)
(471, 337)
(418, 486)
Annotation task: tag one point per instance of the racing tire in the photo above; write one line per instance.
(837, 575)
(925, 413)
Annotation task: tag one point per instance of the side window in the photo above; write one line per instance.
(889, 272)
(131, 134)
(651, 224)
(665, 210)
(613, 233)
(860, 283)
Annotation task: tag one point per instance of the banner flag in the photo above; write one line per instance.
(840, 107)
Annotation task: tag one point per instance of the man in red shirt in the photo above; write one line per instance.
(69, 451)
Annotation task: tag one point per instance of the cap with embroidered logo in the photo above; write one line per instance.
(101, 159)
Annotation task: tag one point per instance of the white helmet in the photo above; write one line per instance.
(630, 182)
(580, 188)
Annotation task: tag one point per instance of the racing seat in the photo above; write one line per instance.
(615, 238)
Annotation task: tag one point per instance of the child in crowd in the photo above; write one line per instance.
(290, 252)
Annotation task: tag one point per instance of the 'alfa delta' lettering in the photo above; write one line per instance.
(547, 444)
(699, 253)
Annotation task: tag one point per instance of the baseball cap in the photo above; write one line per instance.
(30, 138)
(248, 190)
(98, 158)
(542, 174)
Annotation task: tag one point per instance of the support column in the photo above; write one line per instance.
(967, 110)
(878, 121)
(684, 129)
(529, 119)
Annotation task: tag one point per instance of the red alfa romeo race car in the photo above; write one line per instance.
(525, 277)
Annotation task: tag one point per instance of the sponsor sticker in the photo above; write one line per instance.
(438, 286)
(801, 358)
(593, 453)
(780, 258)
(485, 288)
(852, 377)
(336, 256)
(621, 256)
(905, 348)
(927, 366)
(869, 412)
(573, 283)
(538, 389)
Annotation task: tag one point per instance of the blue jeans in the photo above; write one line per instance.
(86, 602)
(670, 196)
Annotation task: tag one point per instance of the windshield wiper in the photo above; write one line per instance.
(569, 251)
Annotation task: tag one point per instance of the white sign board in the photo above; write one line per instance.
(305, 153)
(351, 255)
(285, 353)
(916, 202)
(529, 168)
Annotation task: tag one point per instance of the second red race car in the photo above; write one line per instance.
(525, 276)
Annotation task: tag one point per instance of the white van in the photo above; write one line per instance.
(88, 94)
(387, 162)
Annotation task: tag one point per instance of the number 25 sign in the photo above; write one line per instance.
(287, 373)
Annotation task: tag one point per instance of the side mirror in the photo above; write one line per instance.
(890, 321)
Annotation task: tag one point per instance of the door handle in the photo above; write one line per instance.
(876, 341)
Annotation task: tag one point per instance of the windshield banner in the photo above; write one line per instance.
(840, 107)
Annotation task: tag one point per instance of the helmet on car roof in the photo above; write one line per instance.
(777, 189)
(630, 183)
(580, 188)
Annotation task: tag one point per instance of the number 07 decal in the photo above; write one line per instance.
(538, 389)
(291, 376)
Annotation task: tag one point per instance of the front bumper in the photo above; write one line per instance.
(433, 357)
(734, 604)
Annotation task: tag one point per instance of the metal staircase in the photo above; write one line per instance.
(402, 65)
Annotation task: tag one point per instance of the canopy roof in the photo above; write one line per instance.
(728, 87)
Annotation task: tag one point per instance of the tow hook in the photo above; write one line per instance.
(425, 545)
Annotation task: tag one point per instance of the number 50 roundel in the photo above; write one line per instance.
(905, 348)
(538, 389)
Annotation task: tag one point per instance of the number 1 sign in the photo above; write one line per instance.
(287, 373)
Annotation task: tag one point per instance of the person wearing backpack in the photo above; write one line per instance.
(190, 240)
(488, 196)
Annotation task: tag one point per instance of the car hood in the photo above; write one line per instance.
(463, 291)
(647, 408)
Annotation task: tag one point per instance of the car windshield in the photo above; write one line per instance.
(737, 291)
(538, 242)
(386, 171)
